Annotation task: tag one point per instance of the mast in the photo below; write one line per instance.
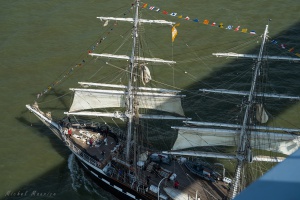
(132, 94)
(130, 107)
(244, 147)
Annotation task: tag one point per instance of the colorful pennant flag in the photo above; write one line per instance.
(174, 32)
(164, 12)
(274, 41)
(206, 22)
(291, 49)
(237, 28)
(229, 27)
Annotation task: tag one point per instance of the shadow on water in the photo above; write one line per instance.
(59, 176)
(66, 180)
(283, 78)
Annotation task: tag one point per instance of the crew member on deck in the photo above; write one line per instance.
(176, 184)
(69, 132)
(66, 132)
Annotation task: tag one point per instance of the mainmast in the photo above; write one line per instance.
(132, 93)
(130, 96)
(244, 147)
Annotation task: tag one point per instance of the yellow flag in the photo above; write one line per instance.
(180, 16)
(145, 5)
(244, 30)
(174, 31)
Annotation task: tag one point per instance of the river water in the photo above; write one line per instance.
(40, 39)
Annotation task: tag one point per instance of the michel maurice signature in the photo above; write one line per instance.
(27, 193)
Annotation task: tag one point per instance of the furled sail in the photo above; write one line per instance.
(261, 114)
(197, 137)
(89, 99)
(146, 76)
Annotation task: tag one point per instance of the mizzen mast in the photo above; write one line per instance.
(244, 146)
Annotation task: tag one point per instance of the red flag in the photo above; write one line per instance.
(291, 49)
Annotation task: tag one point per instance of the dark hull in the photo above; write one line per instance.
(114, 187)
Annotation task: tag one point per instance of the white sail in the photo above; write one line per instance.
(145, 74)
(222, 155)
(88, 99)
(139, 20)
(199, 137)
(236, 55)
(244, 93)
(125, 57)
(261, 114)
(122, 115)
(163, 90)
(266, 128)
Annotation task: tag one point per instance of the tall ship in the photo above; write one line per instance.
(110, 122)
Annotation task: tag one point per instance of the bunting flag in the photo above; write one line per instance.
(237, 28)
(221, 25)
(164, 12)
(174, 32)
(206, 22)
(72, 69)
(291, 49)
(229, 27)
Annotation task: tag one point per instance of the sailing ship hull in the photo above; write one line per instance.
(110, 185)
(98, 176)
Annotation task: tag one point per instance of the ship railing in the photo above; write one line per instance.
(86, 157)
(124, 179)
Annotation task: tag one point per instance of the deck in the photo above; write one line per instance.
(105, 148)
